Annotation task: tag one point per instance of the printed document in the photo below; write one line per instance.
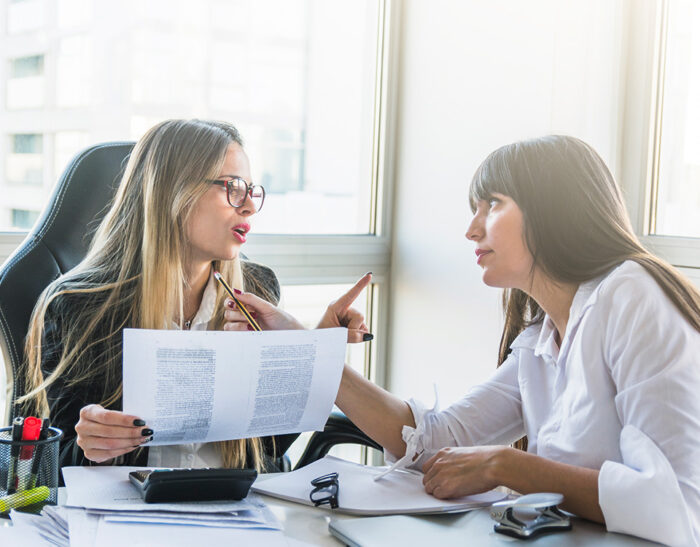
(202, 386)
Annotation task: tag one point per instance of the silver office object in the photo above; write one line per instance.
(537, 514)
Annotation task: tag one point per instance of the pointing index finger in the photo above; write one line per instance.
(349, 297)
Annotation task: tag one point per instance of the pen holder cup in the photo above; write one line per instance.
(28, 470)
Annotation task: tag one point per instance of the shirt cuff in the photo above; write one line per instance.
(641, 495)
(416, 454)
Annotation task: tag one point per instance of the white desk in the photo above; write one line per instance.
(475, 528)
(309, 525)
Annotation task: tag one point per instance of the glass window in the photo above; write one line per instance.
(28, 143)
(24, 16)
(24, 219)
(298, 77)
(24, 67)
(678, 184)
(25, 85)
(25, 165)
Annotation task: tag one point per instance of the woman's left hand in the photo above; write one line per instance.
(457, 472)
(340, 314)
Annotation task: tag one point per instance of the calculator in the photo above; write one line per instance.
(167, 485)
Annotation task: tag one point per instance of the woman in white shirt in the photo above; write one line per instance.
(599, 358)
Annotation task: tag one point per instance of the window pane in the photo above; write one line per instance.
(23, 219)
(24, 165)
(678, 205)
(25, 85)
(28, 143)
(27, 66)
(296, 76)
(308, 303)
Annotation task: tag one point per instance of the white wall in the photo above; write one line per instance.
(475, 75)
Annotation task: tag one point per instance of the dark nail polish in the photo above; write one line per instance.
(230, 303)
(368, 273)
(138, 422)
(146, 432)
(366, 337)
(250, 328)
(237, 291)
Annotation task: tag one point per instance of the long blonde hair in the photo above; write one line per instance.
(133, 274)
(575, 223)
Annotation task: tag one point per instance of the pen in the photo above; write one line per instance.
(37, 453)
(26, 497)
(253, 323)
(14, 454)
(30, 432)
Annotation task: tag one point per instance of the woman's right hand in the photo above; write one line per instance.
(268, 316)
(105, 434)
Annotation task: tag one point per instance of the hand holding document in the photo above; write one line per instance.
(203, 386)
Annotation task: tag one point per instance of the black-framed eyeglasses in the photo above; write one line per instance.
(325, 490)
(238, 190)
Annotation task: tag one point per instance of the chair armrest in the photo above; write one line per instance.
(338, 430)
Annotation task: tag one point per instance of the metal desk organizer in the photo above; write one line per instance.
(537, 514)
(31, 469)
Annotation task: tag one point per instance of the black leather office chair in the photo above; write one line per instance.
(58, 242)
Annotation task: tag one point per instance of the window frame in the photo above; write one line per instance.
(645, 38)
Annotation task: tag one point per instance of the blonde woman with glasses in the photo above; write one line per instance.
(183, 209)
(599, 362)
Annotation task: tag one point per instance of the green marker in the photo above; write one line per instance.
(26, 497)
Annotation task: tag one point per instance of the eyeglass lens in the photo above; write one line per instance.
(325, 490)
(238, 191)
(325, 494)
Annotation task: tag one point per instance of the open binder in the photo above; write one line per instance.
(400, 492)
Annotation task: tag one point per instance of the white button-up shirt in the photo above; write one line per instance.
(621, 394)
(191, 454)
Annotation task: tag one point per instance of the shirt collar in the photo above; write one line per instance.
(205, 313)
(541, 338)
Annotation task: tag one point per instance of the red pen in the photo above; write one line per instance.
(30, 432)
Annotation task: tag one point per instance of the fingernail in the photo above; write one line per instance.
(139, 422)
(368, 273)
(366, 337)
(230, 303)
(237, 291)
(148, 440)
(146, 432)
(254, 314)
(250, 328)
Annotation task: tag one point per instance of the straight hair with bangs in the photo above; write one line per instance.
(134, 272)
(575, 223)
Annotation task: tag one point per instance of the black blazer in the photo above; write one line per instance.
(65, 400)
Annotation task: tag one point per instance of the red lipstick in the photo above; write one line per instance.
(240, 231)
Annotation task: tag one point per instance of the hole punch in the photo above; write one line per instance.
(542, 506)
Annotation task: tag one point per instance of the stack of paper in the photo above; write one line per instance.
(103, 508)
